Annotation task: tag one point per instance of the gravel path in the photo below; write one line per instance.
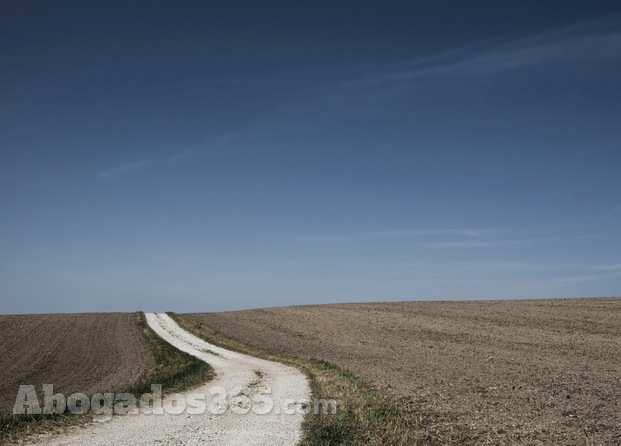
(242, 384)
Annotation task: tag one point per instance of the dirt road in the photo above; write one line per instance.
(250, 402)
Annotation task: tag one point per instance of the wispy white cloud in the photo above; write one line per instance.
(616, 267)
(469, 237)
(163, 159)
(502, 242)
(463, 244)
(511, 265)
(134, 166)
(609, 267)
(599, 38)
(124, 168)
(391, 234)
(556, 282)
(467, 232)
(612, 212)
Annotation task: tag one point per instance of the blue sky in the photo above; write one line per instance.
(196, 156)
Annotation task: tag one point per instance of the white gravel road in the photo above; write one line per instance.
(233, 411)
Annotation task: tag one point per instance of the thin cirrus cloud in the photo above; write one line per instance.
(609, 267)
(502, 242)
(471, 237)
(361, 236)
(612, 268)
(464, 244)
(209, 146)
(594, 39)
(612, 212)
(123, 169)
(127, 169)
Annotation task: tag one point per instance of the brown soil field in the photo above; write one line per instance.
(529, 372)
(75, 352)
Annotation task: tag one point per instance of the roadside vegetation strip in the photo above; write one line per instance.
(174, 370)
(363, 417)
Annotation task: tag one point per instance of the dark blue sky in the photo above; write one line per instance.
(203, 156)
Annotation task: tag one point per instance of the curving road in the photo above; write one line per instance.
(250, 402)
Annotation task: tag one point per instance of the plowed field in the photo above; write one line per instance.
(486, 372)
(74, 352)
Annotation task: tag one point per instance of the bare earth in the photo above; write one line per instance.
(236, 422)
(487, 372)
(74, 352)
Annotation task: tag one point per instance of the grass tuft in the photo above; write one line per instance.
(363, 417)
(174, 370)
